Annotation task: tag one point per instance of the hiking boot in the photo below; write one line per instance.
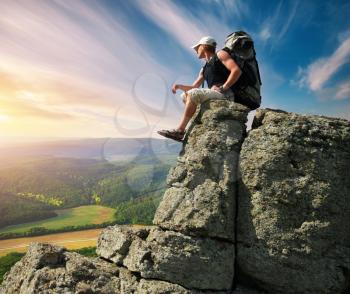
(174, 134)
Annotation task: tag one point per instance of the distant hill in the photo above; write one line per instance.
(96, 148)
(48, 176)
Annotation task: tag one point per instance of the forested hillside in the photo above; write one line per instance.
(33, 190)
(61, 182)
(15, 210)
(38, 179)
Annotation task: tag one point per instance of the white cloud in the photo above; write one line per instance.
(323, 69)
(172, 19)
(182, 24)
(80, 38)
(318, 73)
(75, 56)
(232, 8)
(343, 91)
(340, 91)
(265, 34)
(300, 78)
(287, 23)
(277, 25)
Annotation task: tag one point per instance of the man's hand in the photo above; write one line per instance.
(175, 87)
(181, 87)
(215, 88)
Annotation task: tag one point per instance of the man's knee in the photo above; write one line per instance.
(190, 97)
(195, 95)
(184, 97)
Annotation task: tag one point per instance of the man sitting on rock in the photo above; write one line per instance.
(220, 72)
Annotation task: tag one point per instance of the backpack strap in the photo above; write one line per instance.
(203, 68)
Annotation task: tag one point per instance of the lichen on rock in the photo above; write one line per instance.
(294, 203)
(200, 199)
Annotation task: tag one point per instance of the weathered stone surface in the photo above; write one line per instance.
(192, 262)
(200, 199)
(49, 269)
(240, 289)
(114, 241)
(294, 203)
(159, 287)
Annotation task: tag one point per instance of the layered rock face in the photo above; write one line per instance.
(202, 193)
(294, 204)
(49, 269)
(266, 212)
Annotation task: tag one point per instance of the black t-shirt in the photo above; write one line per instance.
(214, 72)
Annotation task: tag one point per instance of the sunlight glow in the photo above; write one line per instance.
(29, 96)
(4, 118)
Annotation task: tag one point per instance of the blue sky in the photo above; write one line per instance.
(105, 68)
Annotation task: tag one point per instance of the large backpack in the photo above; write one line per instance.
(247, 88)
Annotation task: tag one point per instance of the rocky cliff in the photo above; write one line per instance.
(294, 204)
(263, 212)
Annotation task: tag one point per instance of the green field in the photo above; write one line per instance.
(77, 216)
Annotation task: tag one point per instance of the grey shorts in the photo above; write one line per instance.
(199, 95)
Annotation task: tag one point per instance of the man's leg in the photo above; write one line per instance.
(190, 109)
(184, 97)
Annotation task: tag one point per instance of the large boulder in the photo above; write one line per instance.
(49, 269)
(114, 241)
(193, 262)
(294, 204)
(200, 200)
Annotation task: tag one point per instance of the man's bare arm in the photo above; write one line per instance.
(195, 84)
(231, 65)
(199, 80)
